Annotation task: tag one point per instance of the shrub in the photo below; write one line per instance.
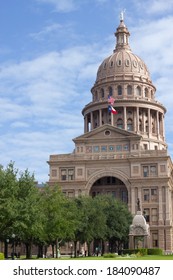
(139, 251)
(155, 251)
(110, 255)
(1, 256)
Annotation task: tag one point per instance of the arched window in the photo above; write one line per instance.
(110, 91)
(96, 96)
(138, 91)
(146, 126)
(146, 92)
(140, 125)
(119, 90)
(129, 90)
(120, 123)
(129, 125)
(102, 93)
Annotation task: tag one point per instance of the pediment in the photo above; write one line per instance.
(107, 132)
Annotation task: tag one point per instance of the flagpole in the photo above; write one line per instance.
(112, 119)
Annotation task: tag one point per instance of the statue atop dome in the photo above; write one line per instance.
(122, 15)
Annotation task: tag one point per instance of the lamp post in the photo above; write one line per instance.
(6, 253)
(13, 236)
(71, 246)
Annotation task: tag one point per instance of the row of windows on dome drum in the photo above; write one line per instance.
(119, 90)
(120, 62)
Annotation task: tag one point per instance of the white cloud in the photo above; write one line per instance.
(62, 5)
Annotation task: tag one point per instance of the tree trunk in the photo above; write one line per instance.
(28, 250)
(75, 248)
(89, 251)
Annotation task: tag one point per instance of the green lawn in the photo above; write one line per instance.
(148, 257)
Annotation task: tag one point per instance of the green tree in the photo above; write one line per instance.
(91, 220)
(29, 222)
(59, 217)
(118, 220)
(8, 203)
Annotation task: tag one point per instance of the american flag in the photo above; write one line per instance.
(111, 100)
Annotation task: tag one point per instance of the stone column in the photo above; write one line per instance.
(125, 118)
(160, 220)
(137, 119)
(91, 116)
(133, 201)
(167, 206)
(149, 122)
(100, 117)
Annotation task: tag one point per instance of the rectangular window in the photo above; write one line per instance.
(153, 171)
(147, 214)
(154, 217)
(145, 171)
(155, 240)
(146, 195)
(154, 194)
(70, 174)
(63, 174)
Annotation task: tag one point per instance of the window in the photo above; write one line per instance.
(63, 174)
(104, 148)
(126, 147)
(153, 171)
(67, 174)
(146, 214)
(154, 216)
(70, 174)
(110, 91)
(120, 123)
(145, 171)
(111, 148)
(146, 195)
(154, 194)
(155, 240)
(138, 91)
(102, 93)
(129, 90)
(146, 92)
(96, 149)
(129, 125)
(119, 90)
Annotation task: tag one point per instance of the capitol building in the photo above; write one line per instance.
(123, 151)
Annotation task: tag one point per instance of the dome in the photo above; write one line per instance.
(139, 220)
(123, 63)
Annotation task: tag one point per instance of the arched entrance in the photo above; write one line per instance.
(110, 185)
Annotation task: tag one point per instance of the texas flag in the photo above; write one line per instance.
(112, 110)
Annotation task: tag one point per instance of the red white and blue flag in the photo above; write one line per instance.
(112, 110)
(111, 100)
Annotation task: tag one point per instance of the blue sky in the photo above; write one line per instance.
(50, 51)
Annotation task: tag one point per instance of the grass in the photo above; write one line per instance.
(127, 257)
